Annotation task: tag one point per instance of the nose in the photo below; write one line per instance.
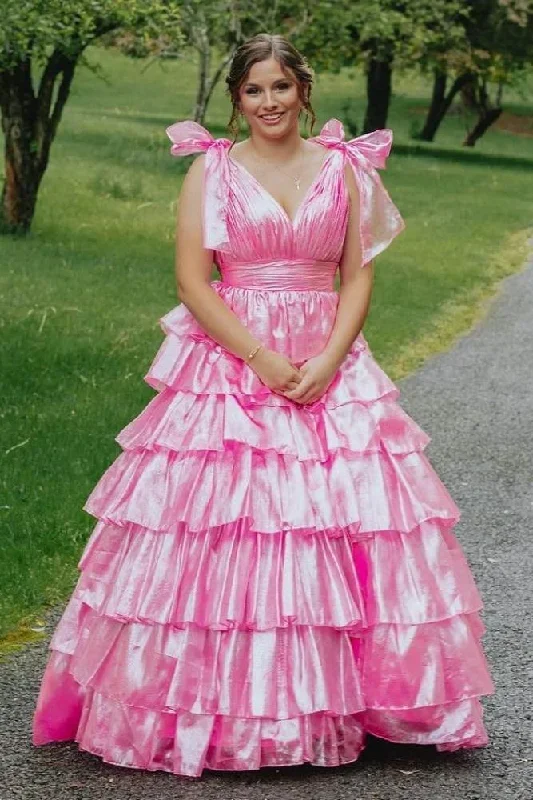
(270, 101)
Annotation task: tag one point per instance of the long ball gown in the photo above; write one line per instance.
(269, 582)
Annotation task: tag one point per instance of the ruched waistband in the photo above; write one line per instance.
(298, 274)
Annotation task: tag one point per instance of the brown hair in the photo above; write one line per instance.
(260, 48)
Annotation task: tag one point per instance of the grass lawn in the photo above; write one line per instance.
(82, 295)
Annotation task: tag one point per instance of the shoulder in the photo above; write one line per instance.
(195, 174)
(316, 152)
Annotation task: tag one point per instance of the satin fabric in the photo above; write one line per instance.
(266, 582)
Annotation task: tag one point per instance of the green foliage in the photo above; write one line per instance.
(32, 28)
(493, 37)
(409, 32)
(500, 35)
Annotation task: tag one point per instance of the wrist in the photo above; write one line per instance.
(254, 355)
(335, 357)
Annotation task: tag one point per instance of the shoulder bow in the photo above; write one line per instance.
(380, 220)
(190, 137)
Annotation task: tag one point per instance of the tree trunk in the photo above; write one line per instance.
(487, 113)
(469, 96)
(378, 89)
(29, 124)
(218, 73)
(485, 120)
(21, 183)
(203, 48)
(435, 113)
(441, 102)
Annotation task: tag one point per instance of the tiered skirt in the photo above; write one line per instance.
(266, 582)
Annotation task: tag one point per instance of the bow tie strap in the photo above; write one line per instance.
(189, 137)
(380, 220)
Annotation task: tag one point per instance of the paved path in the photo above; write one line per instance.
(476, 402)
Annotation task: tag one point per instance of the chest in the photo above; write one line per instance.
(260, 225)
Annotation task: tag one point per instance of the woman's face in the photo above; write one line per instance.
(269, 99)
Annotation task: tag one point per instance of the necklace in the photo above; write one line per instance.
(296, 180)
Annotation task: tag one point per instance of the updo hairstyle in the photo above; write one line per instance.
(260, 48)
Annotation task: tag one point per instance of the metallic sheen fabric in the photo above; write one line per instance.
(266, 582)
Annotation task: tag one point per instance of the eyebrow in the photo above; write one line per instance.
(278, 80)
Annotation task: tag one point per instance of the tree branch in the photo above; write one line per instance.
(217, 73)
(51, 122)
(46, 85)
(459, 82)
(62, 97)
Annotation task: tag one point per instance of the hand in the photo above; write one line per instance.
(318, 373)
(275, 371)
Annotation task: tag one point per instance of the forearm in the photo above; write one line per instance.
(218, 320)
(352, 311)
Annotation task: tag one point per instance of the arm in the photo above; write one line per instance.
(354, 303)
(193, 273)
(356, 284)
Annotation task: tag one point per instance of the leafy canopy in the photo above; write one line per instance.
(31, 29)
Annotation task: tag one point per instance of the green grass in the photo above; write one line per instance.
(82, 295)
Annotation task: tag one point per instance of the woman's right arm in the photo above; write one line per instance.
(193, 274)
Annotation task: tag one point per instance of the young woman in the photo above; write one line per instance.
(274, 572)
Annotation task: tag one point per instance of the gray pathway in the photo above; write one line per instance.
(476, 402)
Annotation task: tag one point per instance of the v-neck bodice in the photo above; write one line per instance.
(246, 227)
(291, 220)
(260, 229)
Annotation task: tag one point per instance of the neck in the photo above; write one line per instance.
(277, 149)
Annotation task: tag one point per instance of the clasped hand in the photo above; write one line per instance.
(303, 385)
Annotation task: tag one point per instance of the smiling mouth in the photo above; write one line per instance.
(272, 117)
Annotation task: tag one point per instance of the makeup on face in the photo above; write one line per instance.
(269, 96)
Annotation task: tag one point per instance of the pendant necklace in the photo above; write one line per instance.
(296, 181)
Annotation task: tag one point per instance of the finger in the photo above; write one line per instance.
(288, 386)
(305, 398)
(301, 389)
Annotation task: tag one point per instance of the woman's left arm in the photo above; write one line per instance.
(356, 284)
(354, 302)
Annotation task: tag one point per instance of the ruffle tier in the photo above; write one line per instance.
(269, 492)
(122, 684)
(294, 322)
(176, 421)
(188, 361)
(266, 582)
(186, 743)
(178, 578)
(278, 673)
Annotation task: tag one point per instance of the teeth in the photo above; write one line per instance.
(271, 116)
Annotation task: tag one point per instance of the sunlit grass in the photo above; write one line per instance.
(82, 295)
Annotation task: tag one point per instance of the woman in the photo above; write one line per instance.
(273, 574)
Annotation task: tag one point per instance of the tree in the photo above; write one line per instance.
(399, 35)
(496, 48)
(213, 29)
(502, 49)
(41, 44)
(383, 36)
(442, 97)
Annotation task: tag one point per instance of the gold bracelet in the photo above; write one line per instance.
(254, 352)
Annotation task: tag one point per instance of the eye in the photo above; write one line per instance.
(283, 86)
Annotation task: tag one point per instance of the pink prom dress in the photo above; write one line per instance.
(268, 582)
